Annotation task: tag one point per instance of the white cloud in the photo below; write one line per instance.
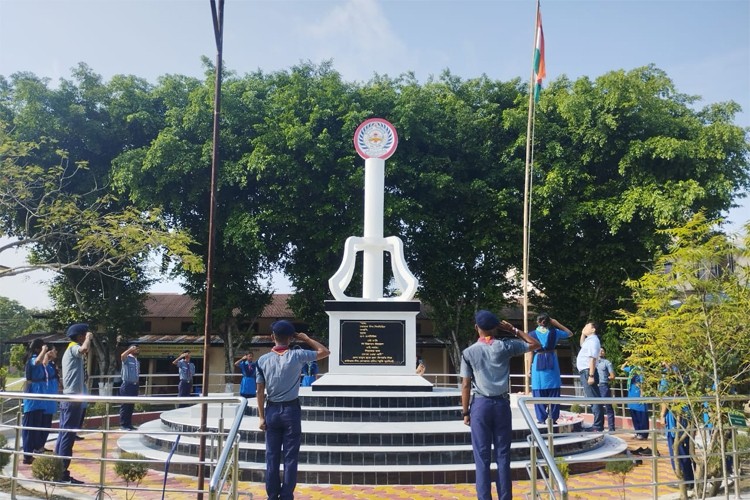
(358, 36)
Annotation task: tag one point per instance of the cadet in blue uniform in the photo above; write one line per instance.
(485, 372)
(247, 367)
(279, 410)
(187, 372)
(74, 383)
(33, 409)
(545, 368)
(53, 387)
(131, 373)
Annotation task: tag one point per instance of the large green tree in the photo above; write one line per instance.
(173, 172)
(617, 159)
(56, 202)
(454, 197)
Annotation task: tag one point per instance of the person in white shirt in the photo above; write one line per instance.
(586, 364)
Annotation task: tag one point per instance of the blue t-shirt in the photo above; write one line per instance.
(187, 370)
(53, 387)
(36, 377)
(550, 378)
(280, 372)
(131, 370)
(604, 368)
(634, 389)
(247, 384)
(489, 365)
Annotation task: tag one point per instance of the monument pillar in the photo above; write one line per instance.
(373, 338)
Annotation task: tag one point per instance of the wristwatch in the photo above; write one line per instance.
(466, 414)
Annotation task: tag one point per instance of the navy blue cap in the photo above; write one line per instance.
(77, 329)
(283, 328)
(486, 320)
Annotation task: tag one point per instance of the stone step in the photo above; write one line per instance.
(156, 437)
(365, 430)
(369, 474)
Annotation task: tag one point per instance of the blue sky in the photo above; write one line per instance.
(703, 45)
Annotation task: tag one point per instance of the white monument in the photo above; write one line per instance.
(373, 338)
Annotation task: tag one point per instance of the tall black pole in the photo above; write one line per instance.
(218, 19)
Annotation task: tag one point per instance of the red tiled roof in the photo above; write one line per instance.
(169, 305)
(278, 307)
(174, 305)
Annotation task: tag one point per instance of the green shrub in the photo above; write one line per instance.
(4, 452)
(620, 468)
(98, 409)
(49, 470)
(131, 470)
(576, 408)
(563, 467)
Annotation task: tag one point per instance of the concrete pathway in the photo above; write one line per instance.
(598, 485)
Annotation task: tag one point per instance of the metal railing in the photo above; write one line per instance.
(219, 443)
(556, 485)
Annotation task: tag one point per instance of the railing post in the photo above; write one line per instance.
(14, 479)
(102, 462)
(235, 467)
(654, 461)
(735, 465)
(532, 459)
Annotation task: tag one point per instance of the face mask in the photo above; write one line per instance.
(542, 329)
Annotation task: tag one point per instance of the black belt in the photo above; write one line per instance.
(501, 396)
(293, 402)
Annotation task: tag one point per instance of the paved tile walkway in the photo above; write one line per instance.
(598, 485)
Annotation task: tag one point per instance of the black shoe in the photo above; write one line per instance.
(79, 438)
(28, 460)
(70, 480)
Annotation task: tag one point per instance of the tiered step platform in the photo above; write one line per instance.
(367, 438)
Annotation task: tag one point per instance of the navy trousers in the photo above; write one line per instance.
(491, 433)
(283, 435)
(70, 418)
(604, 392)
(640, 422)
(592, 391)
(184, 390)
(684, 459)
(126, 409)
(32, 438)
(542, 410)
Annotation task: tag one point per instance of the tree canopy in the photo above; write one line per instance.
(617, 159)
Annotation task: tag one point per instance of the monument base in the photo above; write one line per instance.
(372, 383)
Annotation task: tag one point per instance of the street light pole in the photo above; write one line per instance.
(217, 12)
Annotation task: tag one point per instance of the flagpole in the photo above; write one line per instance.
(526, 202)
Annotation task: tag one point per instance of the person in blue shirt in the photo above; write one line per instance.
(638, 411)
(53, 388)
(279, 411)
(247, 368)
(309, 373)
(186, 370)
(606, 374)
(675, 421)
(485, 399)
(545, 368)
(33, 409)
(130, 372)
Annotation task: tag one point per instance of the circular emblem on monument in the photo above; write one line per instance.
(375, 138)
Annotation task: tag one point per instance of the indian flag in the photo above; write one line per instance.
(539, 66)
